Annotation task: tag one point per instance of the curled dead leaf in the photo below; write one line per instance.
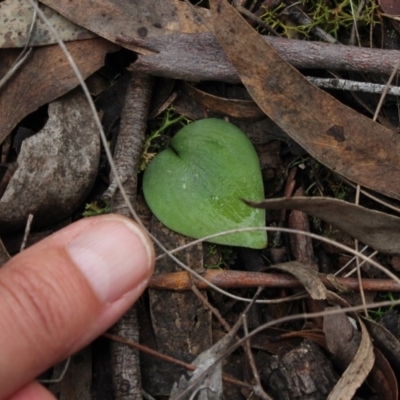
(307, 276)
(235, 108)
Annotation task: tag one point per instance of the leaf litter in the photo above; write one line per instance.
(336, 132)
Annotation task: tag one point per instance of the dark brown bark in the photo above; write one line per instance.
(301, 245)
(180, 322)
(77, 381)
(303, 373)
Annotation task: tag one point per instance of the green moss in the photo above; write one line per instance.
(334, 17)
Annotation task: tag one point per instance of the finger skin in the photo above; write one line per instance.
(32, 391)
(48, 310)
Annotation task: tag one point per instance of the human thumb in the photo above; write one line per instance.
(60, 294)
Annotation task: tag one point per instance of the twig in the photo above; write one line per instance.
(4, 256)
(27, 231)
(207, 304)
(198, 57)
(130, 140)
(125, 362)
(344, 84)
(180, 281)
(246, 13)
(354, 29)
(302, 18)
(386, 89)
(64, 368)
(372, 197)
(258, 389)
(22, 58)
(169, 359)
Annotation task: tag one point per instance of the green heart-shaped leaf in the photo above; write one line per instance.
(196, 186)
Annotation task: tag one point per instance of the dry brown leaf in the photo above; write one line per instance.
(391, 7)
(337, 136)
(307, 276)
(45, 76)
(56, 167)
(15, 21)
(133, 20)
(391, 10)
(382, 378)
(387, 343)
(374, 228)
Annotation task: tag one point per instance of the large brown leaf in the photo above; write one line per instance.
(45, 76)
(135, 20)
(337, 136)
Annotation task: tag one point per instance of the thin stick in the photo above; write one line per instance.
(385, 92)
(27, 231)
(180, 281)
(169, 359)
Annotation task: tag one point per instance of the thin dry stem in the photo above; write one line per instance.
(27, 231)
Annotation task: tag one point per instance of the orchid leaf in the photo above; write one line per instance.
(197, 185)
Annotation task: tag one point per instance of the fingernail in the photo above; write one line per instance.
(114, 256)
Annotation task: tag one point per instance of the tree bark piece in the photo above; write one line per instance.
(78, 379)
(199, 57)
(303, 373)
(181, 323)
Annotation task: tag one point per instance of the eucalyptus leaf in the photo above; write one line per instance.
(197, 185)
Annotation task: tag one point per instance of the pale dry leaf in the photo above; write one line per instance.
(212, 381)
(56, 167)
(15, 21)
